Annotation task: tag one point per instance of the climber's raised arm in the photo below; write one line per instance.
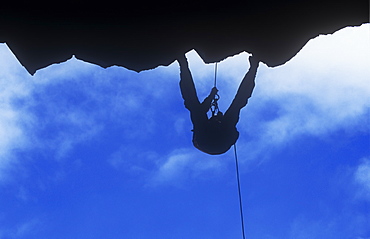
(187, 86)
(247, 85)
(244, 93)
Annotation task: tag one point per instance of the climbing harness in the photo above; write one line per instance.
(214, 105)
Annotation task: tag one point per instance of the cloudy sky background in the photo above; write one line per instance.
(88, 152)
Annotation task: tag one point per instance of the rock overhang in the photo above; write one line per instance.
(142, 36)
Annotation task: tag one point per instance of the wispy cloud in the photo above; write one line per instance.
(15, 89)
(345, 214)
(322, 89)
(362, 178)
(22, 230)
(330, 226)
(68, 104)
(52, 111)
(184, 164)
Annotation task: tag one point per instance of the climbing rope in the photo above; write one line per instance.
(215, 110)
(214, 103)
(239, 191)
(215, 75)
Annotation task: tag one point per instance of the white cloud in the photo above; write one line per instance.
(66, 104)
(330, 226)
(362, 178)
(185, 164)
(351, 185)
(14, 90)
(174, 166)
(22, 230)
(35, 113)
(324, 88)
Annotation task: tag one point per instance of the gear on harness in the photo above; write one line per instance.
(214, 105)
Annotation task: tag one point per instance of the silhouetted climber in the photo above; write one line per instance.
(217, 134)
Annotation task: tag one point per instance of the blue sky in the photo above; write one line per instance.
(88, 152)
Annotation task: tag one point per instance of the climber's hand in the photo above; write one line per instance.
(253, 61)
(214, 91)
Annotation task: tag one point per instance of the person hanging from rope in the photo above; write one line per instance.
(217, 134)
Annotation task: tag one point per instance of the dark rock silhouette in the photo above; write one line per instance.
(142, 35)
(217, 134)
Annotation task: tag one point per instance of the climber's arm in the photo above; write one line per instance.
(247, 85)
(187, 86)
(244, 93)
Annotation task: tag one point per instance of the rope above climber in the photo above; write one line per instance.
(215, 135)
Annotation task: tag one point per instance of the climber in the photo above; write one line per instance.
(217, 134)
